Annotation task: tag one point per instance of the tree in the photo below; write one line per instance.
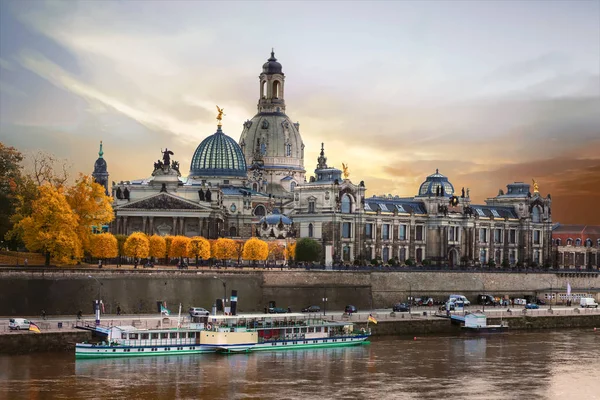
(90, 203)
(225, 249)
(137, 245)
(104, 245)
(158, 246)
(239, 250)
(179, 246)
(199, 247)
(290, 251)
(308, 250)
(52, 227)
(48, 169)
(121, 239)
(10, 179)
(276, 251)
(168, 241)
(255, 250)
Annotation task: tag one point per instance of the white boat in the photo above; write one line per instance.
(228, 334)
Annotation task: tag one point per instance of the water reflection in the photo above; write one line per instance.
(514, 365)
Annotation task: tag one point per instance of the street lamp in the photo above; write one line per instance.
(324, 301)
(224, 291)
(97, 305)
(551, 294)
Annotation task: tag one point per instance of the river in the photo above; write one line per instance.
(537, 365)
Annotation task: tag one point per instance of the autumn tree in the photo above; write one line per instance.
(308, 249)
(239, 250)
(290, 251)
(168, 241)
(276, 251)
(158, 246)
(255, 250)
(199, 247)
(104, 245)
(137, 245)
(52, 227)
(179, 247)
(225, 249)
(90, 203)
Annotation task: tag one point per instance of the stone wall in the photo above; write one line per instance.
(21, 343)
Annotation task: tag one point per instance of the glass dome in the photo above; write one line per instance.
(218, 155)
(433, 182)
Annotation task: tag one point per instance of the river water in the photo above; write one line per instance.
(535, 365)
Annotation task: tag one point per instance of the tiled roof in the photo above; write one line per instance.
(394, 204)
(493, 211)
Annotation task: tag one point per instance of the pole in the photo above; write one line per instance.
(410, 300)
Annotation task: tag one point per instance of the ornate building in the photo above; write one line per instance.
(100, 173)
(258, 188)
(576, 246)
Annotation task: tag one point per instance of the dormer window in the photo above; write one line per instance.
(400, 208)
(569, 242)
(577, 242)
(368, 207)
(382, 207)
(480, 212)
(495, 213)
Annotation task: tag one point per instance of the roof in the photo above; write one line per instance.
(390, 205)
(494, 211)
(577, 229)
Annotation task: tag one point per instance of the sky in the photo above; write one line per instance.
(489, 92)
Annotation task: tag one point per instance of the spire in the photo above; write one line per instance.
(437, 171)
(100, 153)
(322, 160)
(272, 55)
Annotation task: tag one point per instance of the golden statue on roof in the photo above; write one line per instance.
(346, 172)
(536, 188)
(220, 115)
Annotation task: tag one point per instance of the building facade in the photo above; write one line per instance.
(576, 246)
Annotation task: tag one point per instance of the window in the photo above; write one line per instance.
(558, 242)
(482, 256)
(512, 257)
(311, 206)
(480, 212)
(451, 234)
(588, 242)
(512, 237)
(345, 254)
(346, 204)
(369, 231)
(400, 208)
(402, 254)
(385, 231)
(419, 232)
(495, 213)
(569, 242)
(497, 235)
(577, 242)
(383, 207)
(260, 210)
(310, 230)
(385, 254)
(483, 235)
(292, 186)
(498, 257)
(536, 237)
(536, 256)
(535, 214)
(346, 229)
(419, 255)
(402, 232)
(368, 207)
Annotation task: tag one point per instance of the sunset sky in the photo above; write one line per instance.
(488, 92)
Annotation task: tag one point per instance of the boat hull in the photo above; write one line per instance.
(84, 350)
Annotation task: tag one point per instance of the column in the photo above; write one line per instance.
(118, 225)
(144, 225)
(174, 230)
(151, 229)
(125, 225)
(182, 225)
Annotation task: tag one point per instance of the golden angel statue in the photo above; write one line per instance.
(536, 188)
(220, 115)
(346, 172)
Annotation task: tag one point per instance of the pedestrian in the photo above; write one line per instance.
(25, 262)
(118, 310)
(43, 314)
(79, 314)
(99, 263)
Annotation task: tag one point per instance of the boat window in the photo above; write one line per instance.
(133, 336)
(145, 336)
(123, 335)
(318, 329)
(303, 330)
(296, 330)
(288, 330)
(325, 329)
(173, 335)
(191, 335)
(164, 335)
(311, 329)
(154, 336)
(182, 335)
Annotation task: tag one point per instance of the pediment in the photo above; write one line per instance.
(163, 201)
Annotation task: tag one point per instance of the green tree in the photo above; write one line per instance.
(10, 180)
(308, 250)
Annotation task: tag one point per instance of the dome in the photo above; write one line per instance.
(272, 66)
(276, 218)
(218, 155)
(431, 184)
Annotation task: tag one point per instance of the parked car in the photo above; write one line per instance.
(531, 306)
(18, 323)
(350, 309)
(401, 307)
(312, 309)
(487, 300)
(460, 297)
(198, 312)
(149, 265)
(586, 302)
(277, 310)
(540, 302)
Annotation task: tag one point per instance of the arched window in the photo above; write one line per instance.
(310, 230)
(260, 210)
(346, 204)
(482, 256)
(419, 254)
(292, 186)
(385, 254)
(577, 242)
(569, 242)
(558, 242)
(276, 89)
(535, 215)
(263, 89)
(255, 187)
(588, 242)
(232, 231)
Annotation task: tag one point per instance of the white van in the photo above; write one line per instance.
(459, 297)
(18, 323)
(587, 302)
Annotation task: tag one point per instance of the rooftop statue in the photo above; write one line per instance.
(536, 188)
(220, 115)
(346, 172)
(167, 157)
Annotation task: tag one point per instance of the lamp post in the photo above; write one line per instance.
(224, 291)
(324, 301)
(551, 294)
(97, 305)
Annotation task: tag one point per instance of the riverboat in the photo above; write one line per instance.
(226, 334)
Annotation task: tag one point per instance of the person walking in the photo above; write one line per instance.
(118, 310)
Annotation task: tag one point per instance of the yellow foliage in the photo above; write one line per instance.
(225, 249)
(179, 246)
(239, 249)
(213, 247)
(137, 245)
(276, 251)
(168, 241)
(256, 250)
(158, 246)
(199, 247)
(52, 226)
(93, 207)
(290, 251)
(104, 245)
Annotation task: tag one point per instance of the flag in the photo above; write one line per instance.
(164, 310)
(33, 327)
(372, 319)
(568, 289)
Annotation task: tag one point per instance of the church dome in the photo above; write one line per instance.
(433, 182)
(272, 66)
(218, 155)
